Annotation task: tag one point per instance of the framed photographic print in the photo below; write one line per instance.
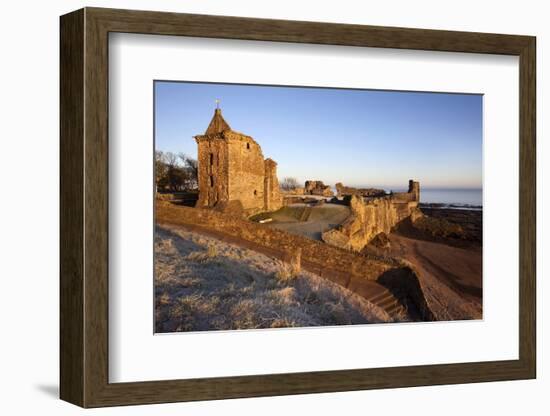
(255, 207)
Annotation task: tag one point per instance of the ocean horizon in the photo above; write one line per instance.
(447, 196)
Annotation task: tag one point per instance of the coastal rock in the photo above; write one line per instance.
(437, 227)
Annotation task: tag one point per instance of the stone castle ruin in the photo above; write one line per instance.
(234, 178)
(341, 238)
(374, 216)
(343, 191)
(317, 188)
(233, 175)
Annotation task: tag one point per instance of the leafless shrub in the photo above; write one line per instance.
(202, 256)
(286, 273)
(212, 251)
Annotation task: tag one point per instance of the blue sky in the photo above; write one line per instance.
(358, 137)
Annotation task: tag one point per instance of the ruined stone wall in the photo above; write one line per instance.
(212, 171)
(320, 258)
(342, 190)
(246, 172)
(232, 173)
(414, 190)
(273, 199)
(317, 188)
(371, 217)
(412, 195)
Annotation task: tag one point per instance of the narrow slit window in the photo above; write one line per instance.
(211, 159)
(211, 181)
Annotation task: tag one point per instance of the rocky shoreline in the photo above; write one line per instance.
(471, 220)
(439, 205)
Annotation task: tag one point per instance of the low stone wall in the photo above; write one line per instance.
(165, 197)
(187, 196)
(316, 255)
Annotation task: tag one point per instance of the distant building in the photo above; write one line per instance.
(233, 175)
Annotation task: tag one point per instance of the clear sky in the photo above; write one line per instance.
(357, 137)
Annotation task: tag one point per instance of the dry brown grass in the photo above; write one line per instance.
(286, 273)
(205, 284)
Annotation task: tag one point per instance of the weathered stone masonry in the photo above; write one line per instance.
(232, 173)
(370, 217)
(317, 188)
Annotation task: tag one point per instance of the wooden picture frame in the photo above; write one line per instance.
(84, 207)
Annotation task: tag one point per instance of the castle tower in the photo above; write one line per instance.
(272, 192)
(414, 189)
(232, 171)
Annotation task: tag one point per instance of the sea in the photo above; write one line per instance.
(457, 198)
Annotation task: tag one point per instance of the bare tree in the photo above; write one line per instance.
(175, 172)
(289, 184)
(192, 168)
(170, 159)
(160, 171)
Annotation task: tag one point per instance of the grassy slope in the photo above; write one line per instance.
(204, 284)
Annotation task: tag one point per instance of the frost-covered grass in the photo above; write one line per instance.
(202, 283)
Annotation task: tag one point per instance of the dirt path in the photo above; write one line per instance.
(459, 269)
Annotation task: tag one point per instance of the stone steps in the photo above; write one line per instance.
(387, 302)
(384, 299)
(396, 310)
(378, 297)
